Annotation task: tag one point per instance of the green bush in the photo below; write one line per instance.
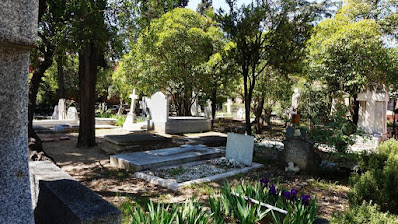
(379, 180)
(365, 213)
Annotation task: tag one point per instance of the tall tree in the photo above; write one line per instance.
(347, 52)
(168, 56)
(266, 33)
(204, 6)
(90, 34)
(51, 20)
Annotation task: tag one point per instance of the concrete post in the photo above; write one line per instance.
(18, 29)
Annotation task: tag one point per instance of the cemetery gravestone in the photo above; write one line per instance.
(240, 148)
(55, 113)
(72, 114)
(18, 29)
(128, 124)
(61, 109)
(229, 104)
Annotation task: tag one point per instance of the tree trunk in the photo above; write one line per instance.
(61, 81)
(36, 152)
(355, 110)
(213, 104)
(87, 79)
(258, 111)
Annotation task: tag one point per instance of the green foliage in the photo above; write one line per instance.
(120, 119)
(177, 171)
(364, 213)
(347, 52)
(315, 104)
(339, 131)
(187, 213)
(379, 180)
(169, 55)
(266, 34)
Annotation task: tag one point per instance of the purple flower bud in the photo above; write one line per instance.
(264, 181)
(305, 199)
(272, 190)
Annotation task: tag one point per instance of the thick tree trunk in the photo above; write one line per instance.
(61, 81)
(87, 79)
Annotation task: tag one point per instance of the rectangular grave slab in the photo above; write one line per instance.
(115, 144)
(58, 198)
(163, 157)
(240, 148)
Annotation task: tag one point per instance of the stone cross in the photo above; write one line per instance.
(229, 104)
(133, 97)
(18, 30)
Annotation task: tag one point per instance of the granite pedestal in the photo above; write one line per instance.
(18, 30)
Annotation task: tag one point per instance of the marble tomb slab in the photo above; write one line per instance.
(164, 157)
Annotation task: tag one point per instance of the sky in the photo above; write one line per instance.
(193, 4)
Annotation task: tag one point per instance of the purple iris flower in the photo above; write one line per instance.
(305, 199)
(286, 194)
(293, 194)
(264, 181)
(272, 190)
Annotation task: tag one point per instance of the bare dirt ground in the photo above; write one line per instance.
(92, 168)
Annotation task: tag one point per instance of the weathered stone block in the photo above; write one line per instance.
(301, 152)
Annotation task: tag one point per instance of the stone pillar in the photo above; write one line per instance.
(18, 29)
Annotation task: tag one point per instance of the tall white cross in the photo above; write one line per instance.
(133, 98)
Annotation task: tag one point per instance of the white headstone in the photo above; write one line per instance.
(195, 105)
(208, 110)
(55, 113)
(61, 109)
(373, 111)
(229, 104)
(240, 148)
(240, 114)
(296, 99)
(72, 114)
(158, 105)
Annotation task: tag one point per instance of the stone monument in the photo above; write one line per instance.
(18, 30)
(240, 148)
(300, 151)
(294, 112)
(208, 110)
(372, 117)
(131, 115)
(55, 113)
(229, 104)
(72, 114)
(61, 109)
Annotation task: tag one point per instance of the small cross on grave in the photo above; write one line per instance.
(133, 98)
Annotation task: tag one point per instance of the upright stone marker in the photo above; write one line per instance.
(61, 109)
(18, 29)
(229, 104)
(128, 124)
(240, 148)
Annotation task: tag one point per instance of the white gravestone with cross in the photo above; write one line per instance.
(130, 120)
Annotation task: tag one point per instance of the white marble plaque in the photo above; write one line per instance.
(240, 148)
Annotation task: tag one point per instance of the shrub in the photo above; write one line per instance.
(379, 179)
(365, 213)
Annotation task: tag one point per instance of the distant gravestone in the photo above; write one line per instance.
(61, 109)
(208, 110)
(229, 104)
(240, 148)
(72, 114)
(55, 113)
(159, 107)
(130, 119)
